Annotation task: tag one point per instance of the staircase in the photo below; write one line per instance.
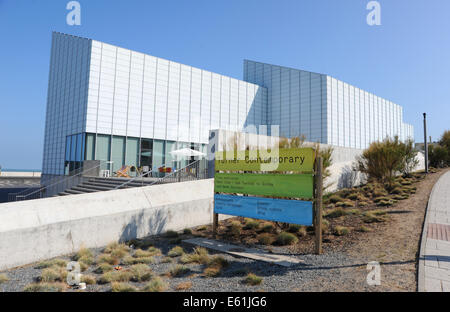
(97, 184)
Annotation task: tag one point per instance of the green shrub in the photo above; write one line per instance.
(252, 279)
(235, 228)
(267, 227)
(171, 234)
(382, 160)
(285, 238)
(438, 156)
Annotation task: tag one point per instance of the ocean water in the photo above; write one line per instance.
(20, 170)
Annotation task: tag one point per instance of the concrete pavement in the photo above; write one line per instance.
(434, 261)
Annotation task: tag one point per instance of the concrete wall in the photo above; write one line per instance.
(40, 229)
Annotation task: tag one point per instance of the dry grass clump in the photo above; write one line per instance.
(88, 279)
(116, 249)
(85, 257)
(49, 263)
(103, 268)
(175, 252)
(265, 239)
(341, 230)
(235, 228)
(45, 287)
(335, 213)
(363, 229)
(108, 258)
(139, 253)
(374, 216)
(184, 286)
(122, 287)
(253, 280)
(155, 285)
(199, 255)
(285, 238)
(215, 266)
(130, 260)
(294, 228)
(335, 199)
(53, 274)
(187, 231)
(267, 227)
(115, 276)
(345, 203)
(140, 273)
(166, 260)
(178, 270)
(3, 278)
(251, 224)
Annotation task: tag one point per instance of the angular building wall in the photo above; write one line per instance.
(296, 99)
(325, 109)
(66, 98)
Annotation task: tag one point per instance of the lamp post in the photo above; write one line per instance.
(425, 141)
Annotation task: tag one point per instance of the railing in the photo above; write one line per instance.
(134, 180)
(197, 170)
(57, 184)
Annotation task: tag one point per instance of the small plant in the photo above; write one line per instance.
(88, 279)
(85, 256)
(155, 285)
(200, 256)
(265, 239)
(335, 199)
(108, 258)
(117, 249)
(235, 228)
(184, 286)
(45, 287)
(53, 274)
(384, 203)
(285, 238)
(139, 253)
(140, 273)
(178, 270)
(166, 260)
(363, 229)
(294, 228)
(171, 234)
(202, 228)
(335, 213)
(212, 271)
(175, 252)
(103, 268)
(128, 260)
(122, 287)
(253, 279)
(187, 231)
(251, 224)
(374, 216)
(341, 230)
(267, 227)
(115, 276)
(3, 278)
(50, 263)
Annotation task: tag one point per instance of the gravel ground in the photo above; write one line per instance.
(341, 268)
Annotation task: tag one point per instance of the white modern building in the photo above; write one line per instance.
(109, 103)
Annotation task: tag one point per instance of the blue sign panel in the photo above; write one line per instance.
(281, 210)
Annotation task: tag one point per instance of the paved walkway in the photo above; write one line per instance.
(434, 261)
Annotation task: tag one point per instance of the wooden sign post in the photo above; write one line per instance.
(290, 193)
(318, 204)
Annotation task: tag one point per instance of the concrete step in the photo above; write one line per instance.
(98, 186)
(84, 189)
(63, 194)
(70, 191)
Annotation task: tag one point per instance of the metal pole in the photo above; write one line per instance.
(425, 141)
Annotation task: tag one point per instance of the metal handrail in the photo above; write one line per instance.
(61, 180)
(135, 178)
(179, 171)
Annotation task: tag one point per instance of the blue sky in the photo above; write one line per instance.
(405, 60)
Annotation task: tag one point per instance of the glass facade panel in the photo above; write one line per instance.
(158, 156)
(103, 149)
(118, 152)
(132, 155)
(146, 153)
(170, 160)
(90, 146)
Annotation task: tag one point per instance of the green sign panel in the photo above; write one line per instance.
(292, 159)
(286, 185)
